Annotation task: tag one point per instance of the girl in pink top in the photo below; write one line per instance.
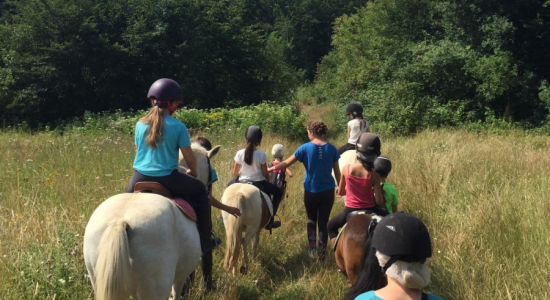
(360, 184)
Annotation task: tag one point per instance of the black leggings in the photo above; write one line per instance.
(193, 191)
(318, 207)
(339, 220)
(269, 188)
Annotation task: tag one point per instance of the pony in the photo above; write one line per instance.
(255, 214)
(140, 245)
(352, 245)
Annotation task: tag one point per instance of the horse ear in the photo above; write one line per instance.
(214, 151)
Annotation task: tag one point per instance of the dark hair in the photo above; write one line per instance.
(371, 276)
(317, 127)
(204, 142)
(369, 166)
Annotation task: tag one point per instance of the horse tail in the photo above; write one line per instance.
(113, 263)
(234, 235)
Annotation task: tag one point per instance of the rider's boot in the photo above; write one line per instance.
(207, 271)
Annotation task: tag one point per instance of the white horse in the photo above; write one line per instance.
(141, 245)
(253, 219)
(347, 158)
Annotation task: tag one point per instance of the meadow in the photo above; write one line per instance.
(484, 197)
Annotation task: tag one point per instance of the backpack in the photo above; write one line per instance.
(277, 177)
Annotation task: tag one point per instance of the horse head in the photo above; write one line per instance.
(202, 157)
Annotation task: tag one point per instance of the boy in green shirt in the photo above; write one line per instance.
(382, 166)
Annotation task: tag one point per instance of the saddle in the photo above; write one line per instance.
(159, 189)
(375, 219)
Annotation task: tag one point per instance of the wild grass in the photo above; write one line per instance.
(483, 196)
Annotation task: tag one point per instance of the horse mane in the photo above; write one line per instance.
(197, 148)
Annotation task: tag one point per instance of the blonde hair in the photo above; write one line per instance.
(415, 275)
(155, 119)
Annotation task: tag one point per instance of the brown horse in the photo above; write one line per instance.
(351, 245)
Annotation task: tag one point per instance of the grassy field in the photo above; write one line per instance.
(484, 198)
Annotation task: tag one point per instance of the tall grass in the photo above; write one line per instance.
(484, 198)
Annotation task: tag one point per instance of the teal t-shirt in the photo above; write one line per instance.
(370, 295)
(163, 159)
(390, 196)
(318, 161)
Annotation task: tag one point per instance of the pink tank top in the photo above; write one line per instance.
(359, 192)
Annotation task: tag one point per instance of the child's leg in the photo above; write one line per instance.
(311, 205)
(325, 206)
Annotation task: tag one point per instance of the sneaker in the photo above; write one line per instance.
(312, 253)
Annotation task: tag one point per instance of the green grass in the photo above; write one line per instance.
(483, 196)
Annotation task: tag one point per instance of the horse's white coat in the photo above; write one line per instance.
(141, 245)
(247, 198)
(347, 158)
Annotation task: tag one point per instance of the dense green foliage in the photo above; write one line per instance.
(275, 119)
(61, 58)
(418, 63)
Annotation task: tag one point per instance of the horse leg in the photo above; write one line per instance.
(256, 243)
(250, 232)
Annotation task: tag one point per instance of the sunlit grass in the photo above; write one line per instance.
(483, 197)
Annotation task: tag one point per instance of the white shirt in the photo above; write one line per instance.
(357, 127)
(251, 172)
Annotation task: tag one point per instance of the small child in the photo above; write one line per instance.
(278, 176)
(382, 166)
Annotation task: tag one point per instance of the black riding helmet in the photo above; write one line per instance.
(402, 237)
(382, 166)
(368, 146)
(165, 89)
(354, 109)
(253, 134)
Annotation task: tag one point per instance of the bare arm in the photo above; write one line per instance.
(284, 164)
(349, 131)
(336, 168)
(342, 184)
(394, 208)
(265, 172)
(375, 182)
(190, 160)
(229, 209)
(290, 174)
(236, 169)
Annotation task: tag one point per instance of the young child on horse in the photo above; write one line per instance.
(356, 126)
(320, 158)
(358, 183)
(158, 139)
(278, 177)
(382, 166)
(251, 166)
(396, 265)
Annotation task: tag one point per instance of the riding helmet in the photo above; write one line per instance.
(382, 165)
(278, 150)
(355, 109)
(253, 134)
(165, 89)
(368, 146)
(402, 237)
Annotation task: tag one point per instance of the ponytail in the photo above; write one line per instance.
(249, 152)
(155, 120)
(369, 166)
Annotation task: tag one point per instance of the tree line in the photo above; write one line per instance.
(411, 63)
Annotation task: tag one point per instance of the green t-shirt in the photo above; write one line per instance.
(390, 195)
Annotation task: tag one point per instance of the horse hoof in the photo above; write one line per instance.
(244, 270)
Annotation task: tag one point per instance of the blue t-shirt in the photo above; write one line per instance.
(163, 159)
(371, 296)
(213, 174)
(318, 161)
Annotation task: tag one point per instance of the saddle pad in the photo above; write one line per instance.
(185, 208)
(266, 212)
(338, 237)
